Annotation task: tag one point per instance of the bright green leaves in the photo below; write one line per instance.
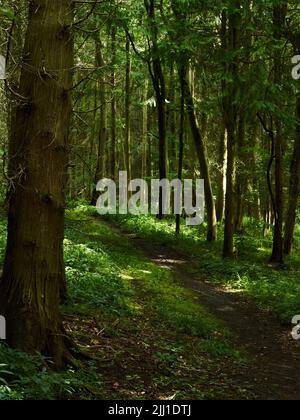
(6, 12)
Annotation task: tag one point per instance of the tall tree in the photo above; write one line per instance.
(113, 151)
(204, 167)
(159, 84)
(102, 133)
(279, 17)
(231, 27)
(33, 272)
(127, 108)
(201, 152)
(294, 189)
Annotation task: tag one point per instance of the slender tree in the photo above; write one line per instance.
(231, 27)
(279, 16)
(159, 84)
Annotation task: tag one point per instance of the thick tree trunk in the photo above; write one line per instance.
(33, 273)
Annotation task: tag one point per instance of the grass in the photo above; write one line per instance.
(277, 289)
(146, 336)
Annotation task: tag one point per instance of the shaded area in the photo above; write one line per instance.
(274, 370)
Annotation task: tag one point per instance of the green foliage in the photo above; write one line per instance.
(6, 12)
(272, 287)
(28, 377)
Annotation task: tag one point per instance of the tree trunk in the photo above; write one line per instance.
(182, 77)
(102, 134)
(33, 273)
(145, 133)
(228, 250)
(172, 155)
(279, 16)
(158, 80)
(220, 203)
(294, 189)
(241, 178)
(231, 43)
(113, 158)
(204, 168)
(127, 109)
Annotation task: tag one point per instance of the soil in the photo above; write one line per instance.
(275, 356)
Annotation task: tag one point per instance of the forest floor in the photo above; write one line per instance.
(157, 323)
(275, 359)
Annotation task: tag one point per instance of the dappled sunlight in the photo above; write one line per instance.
(163, 259)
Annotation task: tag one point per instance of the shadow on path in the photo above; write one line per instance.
(275, 369)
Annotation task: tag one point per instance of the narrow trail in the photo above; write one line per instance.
(275, 366)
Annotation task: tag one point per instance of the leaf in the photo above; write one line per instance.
(7, 13)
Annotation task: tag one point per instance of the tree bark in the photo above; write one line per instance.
(279, 16)
(127, 109)
(102, 134)
(182, 77)
(231, 43)
(158, 80)
(33, 273)
(220, 203)
(113, 158)
(241, 178)
(204, 167)
(294, 189)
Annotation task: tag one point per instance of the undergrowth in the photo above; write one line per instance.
(145, 335)
(274, 288)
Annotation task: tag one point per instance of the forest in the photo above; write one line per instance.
(149, 200)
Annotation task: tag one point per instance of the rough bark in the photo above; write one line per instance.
(33, 272)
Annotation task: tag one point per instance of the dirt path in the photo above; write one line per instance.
(275, 370)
